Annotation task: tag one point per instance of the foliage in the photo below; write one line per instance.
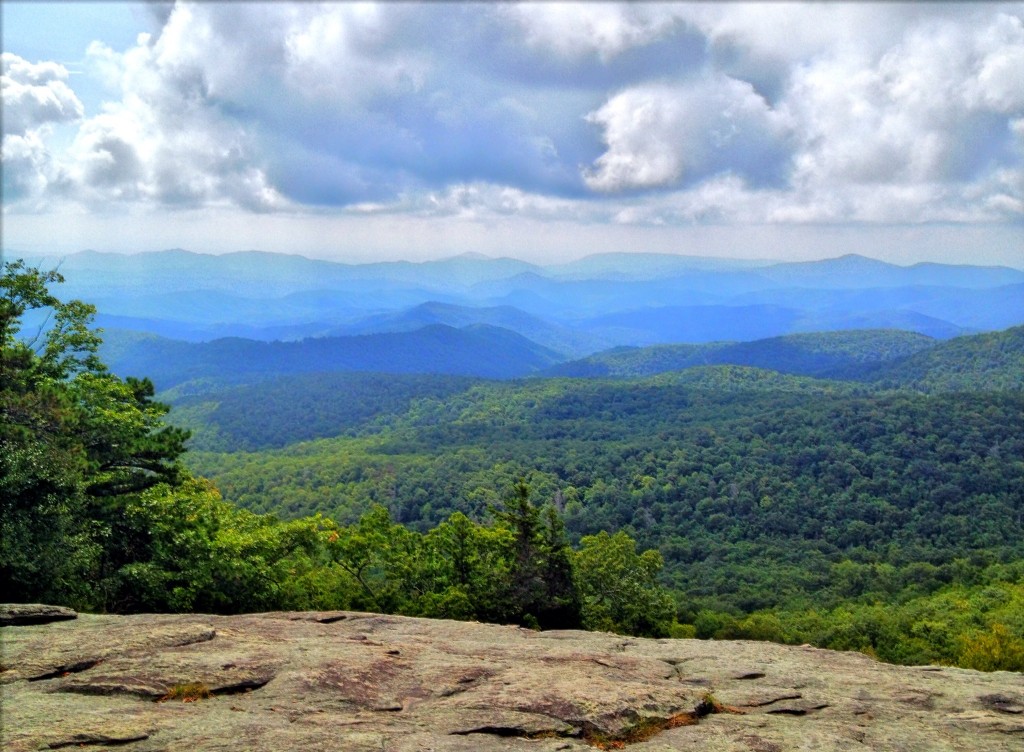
(619, 588)
(75, 440)
(995, 650)
(775, 507)
(812, 354)
(97, 513)
(189, 692)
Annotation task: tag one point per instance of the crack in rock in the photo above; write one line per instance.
(774, 700)
(1003, 704)
(797, 711)
(72, 668)
(332, 619)
(241, 687)
(87, 739)
(158, 691)
(516, 732)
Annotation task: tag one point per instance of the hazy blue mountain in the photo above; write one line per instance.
(560, 338)
(644, 266)
(853, 271)
(979, 309)
(200, 332)
(598, 301)
(824, 354)
(260, 274)
(584, 295)
(906, 320)
(478, 350)
(665, 324)
(970, 308)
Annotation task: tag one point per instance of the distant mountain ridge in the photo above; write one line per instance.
(575, 308)
(885, 358)
(477, 350)
(822, 354)
(993, 361)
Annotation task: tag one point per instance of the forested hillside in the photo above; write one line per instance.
(991, 361)
(302, 407)
(834, 354)
(785, 507)
(881, 512)
(785, 473)
(478, 350)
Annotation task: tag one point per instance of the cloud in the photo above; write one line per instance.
(576, 31)
(36, 97)
(621, 113)
(918, 133)
(659, 135)
(165, 143)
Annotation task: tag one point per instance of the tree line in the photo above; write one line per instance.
(883, 523)
(99, 513)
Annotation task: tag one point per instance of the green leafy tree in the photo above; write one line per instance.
(996, 650)
(469, 566)
(618, 586)
(75, 442)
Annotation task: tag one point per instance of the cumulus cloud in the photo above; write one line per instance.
(915, 133)
(165, 142)
(628, 113)
(575, 30)
(658, 135)
(36, 97)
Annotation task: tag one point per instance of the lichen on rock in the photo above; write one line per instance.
(328, 681)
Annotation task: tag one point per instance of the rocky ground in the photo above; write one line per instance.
(354, 682)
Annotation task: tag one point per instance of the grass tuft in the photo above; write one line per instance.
(189, 692)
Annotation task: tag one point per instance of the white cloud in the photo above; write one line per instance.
(786, 113)
(915, 134)
(36, 97)
(165, 143)
(574, 30)
(999, 51)
(658, 135)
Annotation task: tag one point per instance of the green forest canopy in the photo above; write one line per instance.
(781, 508)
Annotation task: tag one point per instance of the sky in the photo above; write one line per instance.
(542, 131)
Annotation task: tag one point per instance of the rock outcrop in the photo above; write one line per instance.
(354, 682)
(20, 614)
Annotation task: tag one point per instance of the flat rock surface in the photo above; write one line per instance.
(354, 682)
(12, 614)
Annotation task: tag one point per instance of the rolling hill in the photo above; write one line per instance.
(813, 354)
(992, 361)
(478, 350)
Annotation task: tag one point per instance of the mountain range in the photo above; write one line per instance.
(180, 316)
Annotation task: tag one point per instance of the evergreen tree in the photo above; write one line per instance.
(75, 441)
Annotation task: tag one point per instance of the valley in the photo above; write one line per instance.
(765, 465)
